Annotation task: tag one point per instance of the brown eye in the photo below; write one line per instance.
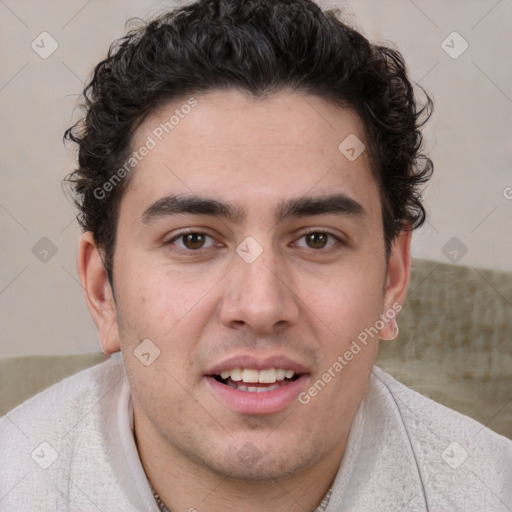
(316, 240)
(193, 240)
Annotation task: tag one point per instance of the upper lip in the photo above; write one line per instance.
(258, 363)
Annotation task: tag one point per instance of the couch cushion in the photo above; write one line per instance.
(24, 376)
(454, 344)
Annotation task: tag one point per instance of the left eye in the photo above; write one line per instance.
(192, 241)
(317, 240)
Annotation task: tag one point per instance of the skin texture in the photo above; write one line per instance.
(201, 306)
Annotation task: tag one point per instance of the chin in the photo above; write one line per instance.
(250, 464)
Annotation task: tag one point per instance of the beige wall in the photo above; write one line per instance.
(41, 305)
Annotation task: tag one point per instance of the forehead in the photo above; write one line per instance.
(233, 145)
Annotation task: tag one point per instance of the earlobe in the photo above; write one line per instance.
(98, 292)
(397, 281)
(390, 331)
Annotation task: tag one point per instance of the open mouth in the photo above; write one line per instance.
(256, 381)
(256, 385)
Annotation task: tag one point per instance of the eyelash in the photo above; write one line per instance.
(338, 240)
(181, 235)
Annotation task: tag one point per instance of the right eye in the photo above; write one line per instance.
(192, 241)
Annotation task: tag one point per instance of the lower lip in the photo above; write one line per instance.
(267, 402)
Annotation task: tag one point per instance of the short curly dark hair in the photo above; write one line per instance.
(261, 47)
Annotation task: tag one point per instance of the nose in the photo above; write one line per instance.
(259, 296)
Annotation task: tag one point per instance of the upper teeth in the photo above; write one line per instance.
(267, 376)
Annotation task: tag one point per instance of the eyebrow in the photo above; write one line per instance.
(339, 204)
(191, 204)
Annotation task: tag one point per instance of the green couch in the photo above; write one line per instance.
(454, 346)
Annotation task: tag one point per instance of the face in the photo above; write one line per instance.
(250, 252)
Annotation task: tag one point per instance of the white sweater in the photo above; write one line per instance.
(71, 448)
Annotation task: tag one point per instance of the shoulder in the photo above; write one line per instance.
(44, 437)
(59, 405)
(460, 461)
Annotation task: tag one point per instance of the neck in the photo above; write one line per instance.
(201, 489)
(164, 508)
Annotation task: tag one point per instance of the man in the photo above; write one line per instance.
(247, 180)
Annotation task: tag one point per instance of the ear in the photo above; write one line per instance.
(397, 281)
(98, 293)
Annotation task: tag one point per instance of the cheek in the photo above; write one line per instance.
(172, 311)
(348, 352)
(349, 301)
(155, 301)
